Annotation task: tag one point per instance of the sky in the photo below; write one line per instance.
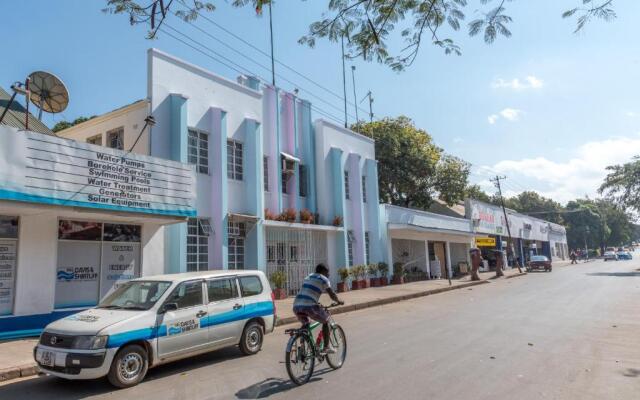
(548, 108)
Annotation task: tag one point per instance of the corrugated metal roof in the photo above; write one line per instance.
(15, 117)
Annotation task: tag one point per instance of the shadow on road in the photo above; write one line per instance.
(271, 386)
(620, 274)
(632, 373)
(48, 387)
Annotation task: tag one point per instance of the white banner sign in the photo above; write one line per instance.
(46, 169)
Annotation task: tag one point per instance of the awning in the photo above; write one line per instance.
(289, 157)
(249, 220)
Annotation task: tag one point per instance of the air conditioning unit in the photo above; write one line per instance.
(288, 166)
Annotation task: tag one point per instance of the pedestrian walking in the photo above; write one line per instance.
(573, 257)
(476, 261)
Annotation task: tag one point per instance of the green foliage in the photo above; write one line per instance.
(65, 124)
(278, 278)
(372, 270)
(344, 274)
(412, 170)
(476, 193)
(398, 269)
(530, 202)
(600, 223)
(622, 184)
(383, 268)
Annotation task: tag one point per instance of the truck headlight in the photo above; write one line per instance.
(90, 342)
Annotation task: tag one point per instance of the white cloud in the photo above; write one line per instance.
(510, 114)
(578, 175)
(530, 82)
(631, 114)
(458, 139)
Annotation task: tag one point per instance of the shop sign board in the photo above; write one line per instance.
(487, 218)
(39, 168)
(485, 242)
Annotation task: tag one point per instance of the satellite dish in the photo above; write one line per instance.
(48, 93)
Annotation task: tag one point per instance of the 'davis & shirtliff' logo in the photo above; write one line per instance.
(77, 274)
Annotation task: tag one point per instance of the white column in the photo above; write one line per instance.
(426, 252)
(448, 250)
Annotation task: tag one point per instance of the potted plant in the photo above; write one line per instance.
(290, 215)
(269, 215)
(383, 269)
(279, 278)
(355, 274)
(362, 276)
(337, 221)
(306, 216)
(398, 273)
(343, 285)
(372, 269)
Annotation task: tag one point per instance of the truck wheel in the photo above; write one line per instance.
(129, 366)
(251, 340)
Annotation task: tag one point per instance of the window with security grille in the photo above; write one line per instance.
(364, 189)
(198, 150)
(198, 230)
(346, 185)
(265, 172)
(234, 160)
(303, 180)
(366, 248)
(235, 245)
(115, 138)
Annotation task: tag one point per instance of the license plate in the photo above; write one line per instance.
(47, 358)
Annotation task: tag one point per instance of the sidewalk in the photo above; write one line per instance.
(16, 356)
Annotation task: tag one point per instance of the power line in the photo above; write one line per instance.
(496, 181)
(236, 67)
(229, 32)
(312, 94)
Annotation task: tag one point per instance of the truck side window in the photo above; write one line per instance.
(187, 294)
(222, 289)
(250, 286)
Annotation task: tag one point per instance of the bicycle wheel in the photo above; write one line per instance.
(300, 359)
(339, 341)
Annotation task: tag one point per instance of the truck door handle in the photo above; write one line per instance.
(201, 314)
(237, 307)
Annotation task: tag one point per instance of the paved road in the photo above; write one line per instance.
(570, 334)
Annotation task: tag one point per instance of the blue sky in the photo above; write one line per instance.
(547, 107)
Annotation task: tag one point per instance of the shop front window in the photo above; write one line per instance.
(198, 230)
(235, 249)
(8, 262)
(94, 258)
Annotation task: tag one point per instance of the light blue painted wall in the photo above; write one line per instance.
(337, 179)
(254, 183)
(308, 153)
(376, 247)
(219, 184)
(176, 235)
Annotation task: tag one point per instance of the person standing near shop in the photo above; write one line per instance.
(499, 263)
(476, 261)
(573, 257)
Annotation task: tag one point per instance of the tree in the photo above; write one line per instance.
(66, 124)
(622, 184)
(412, 170)
(476, 193)
(367, 25)
(530, 202)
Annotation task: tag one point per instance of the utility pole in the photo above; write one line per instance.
(273, 64)
(370, 104)
(355, 99)
(496, 181)
(344, 81)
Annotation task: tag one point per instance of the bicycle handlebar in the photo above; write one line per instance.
(332, 305)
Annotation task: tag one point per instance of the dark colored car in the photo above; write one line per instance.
(539, 262)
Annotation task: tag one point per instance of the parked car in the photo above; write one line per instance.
(624, 255)
(610, 256)
(539, 262)
(153, 320)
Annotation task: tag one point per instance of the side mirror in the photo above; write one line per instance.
(168, 307)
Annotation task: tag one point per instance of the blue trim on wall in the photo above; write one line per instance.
(254, 184)
(32, 198)
(308, 141)
(278, 150)
(376, 242)
(29, 325)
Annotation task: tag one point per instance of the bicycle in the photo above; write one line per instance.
(302, 350)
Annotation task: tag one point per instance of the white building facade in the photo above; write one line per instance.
(275, 190)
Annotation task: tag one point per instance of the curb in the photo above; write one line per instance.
(516, 275)
(389, 300)
(20, 371)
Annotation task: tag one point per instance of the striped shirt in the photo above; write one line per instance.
(312, 287)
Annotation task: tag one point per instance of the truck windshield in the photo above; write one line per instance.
(135, 295)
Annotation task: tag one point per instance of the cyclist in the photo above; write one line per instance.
(306, 304)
